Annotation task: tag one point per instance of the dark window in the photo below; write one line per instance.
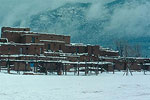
(27, 48)
(8, 49)
(41, 50)
(86, 50)
(49, 47)
(59, 47)
(33, 39)
(77, 50)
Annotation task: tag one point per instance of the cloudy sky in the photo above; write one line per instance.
(132, 17)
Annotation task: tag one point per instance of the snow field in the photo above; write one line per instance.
(105, 86)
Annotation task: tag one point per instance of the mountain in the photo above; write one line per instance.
(117, 20)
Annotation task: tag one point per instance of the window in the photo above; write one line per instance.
(21, 50)
(8, 49)
(59, 47)
(77, 50)
(41, 50)
(33, 39)
(86, 50)
(49, 47)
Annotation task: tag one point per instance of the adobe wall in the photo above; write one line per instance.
(93, 50)
(12, 36)
(27, 38)
(108, 53)
(54, 46)
(55, 37)
(39, 36)
(26, 49)
(75, 49)
(14, 29)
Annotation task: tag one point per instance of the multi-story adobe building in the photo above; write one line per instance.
(22, 46)
(24, 41)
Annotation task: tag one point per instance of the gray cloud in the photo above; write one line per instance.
(12, 11)
(132, 17)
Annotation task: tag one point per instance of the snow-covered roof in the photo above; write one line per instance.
(111, 57)
(108, 50)
(65, 54)
(54, 57)
(49, 61)
(17, 31)
(32, 33)
(12, 43)
(76, 44)
(97, 63)
(51, 34)
(52, 41)
(146, 64)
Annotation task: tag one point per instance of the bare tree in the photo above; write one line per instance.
(126, 50)
(123, 47)
(137, 50)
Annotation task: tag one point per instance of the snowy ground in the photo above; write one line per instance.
(106, 86)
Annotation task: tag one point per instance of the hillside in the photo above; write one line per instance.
(97, 22)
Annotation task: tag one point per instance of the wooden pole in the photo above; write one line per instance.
(18, 65)
(97, 72)
(0, 62)
(78, 66)
(101, 68)
(8, 65)
(36, 64)
(144, 70)
(46, 69)
(113, 68)
(46, 66)
(86, 68)
(98, 69)
(0, 65)
(75, 69)
(65, 69)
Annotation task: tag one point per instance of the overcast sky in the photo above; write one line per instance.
(133, 17)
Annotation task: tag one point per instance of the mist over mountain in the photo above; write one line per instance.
(93, 22)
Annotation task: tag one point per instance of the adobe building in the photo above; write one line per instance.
(14, 40)
(23, 49)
